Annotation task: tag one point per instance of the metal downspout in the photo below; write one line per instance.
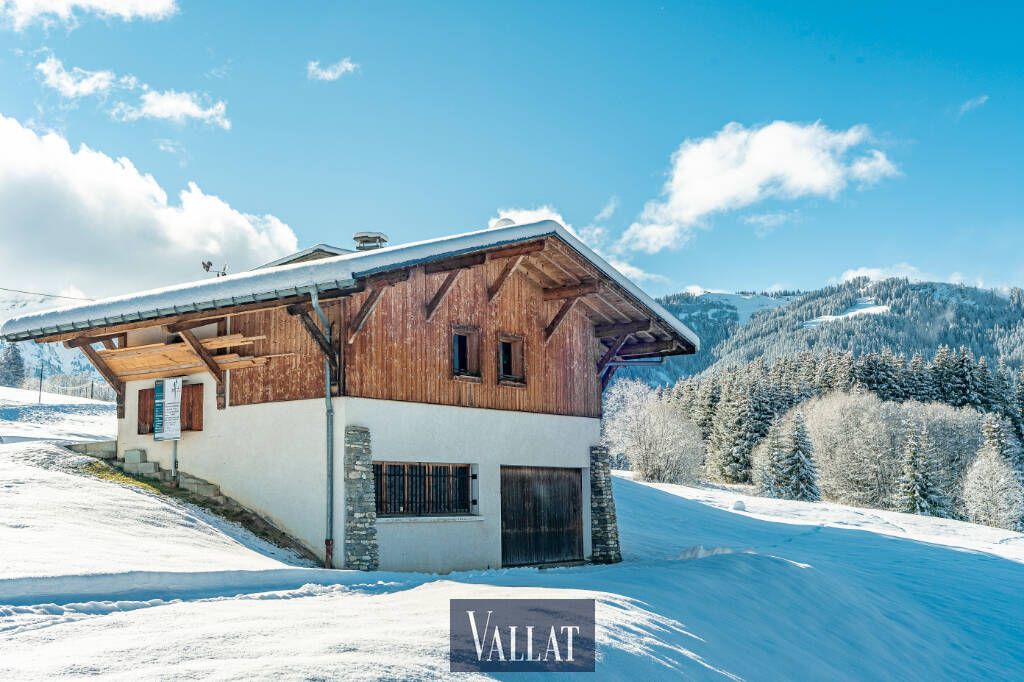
(329, 536)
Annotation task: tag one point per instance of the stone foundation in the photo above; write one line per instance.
(604, 528)
(360, 504)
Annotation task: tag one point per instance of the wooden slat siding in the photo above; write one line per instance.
(285, 378)
(191, 408)
(541, 515)
(400, 355)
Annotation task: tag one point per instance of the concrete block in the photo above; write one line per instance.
(155, 475)
(131, 467)
(208, 490)
(149, 468)
(189, 484)
(134, 456)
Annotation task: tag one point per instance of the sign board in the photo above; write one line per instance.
(167, 409)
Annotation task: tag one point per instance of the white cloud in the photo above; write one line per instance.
(21, 13)
(593, 236)
(608, 210)
(739, 166)
(174, 106)
(766, 223)
(972, 103)
(911, 272)
(330, 73)
(76, 82)
(175, 148)
(168, 105)
(83, 219)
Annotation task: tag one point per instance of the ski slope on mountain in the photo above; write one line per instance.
(100, 578)
(864, 306)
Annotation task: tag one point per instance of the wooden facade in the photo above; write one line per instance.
(400, 355)
(391, 336)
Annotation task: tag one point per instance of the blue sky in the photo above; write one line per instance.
(727, 145)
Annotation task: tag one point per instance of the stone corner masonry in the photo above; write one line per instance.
(604, 527)
(360, 506)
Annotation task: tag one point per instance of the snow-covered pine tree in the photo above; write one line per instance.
(799, 480)
(993, 494)
(920, 486)
(942, 374)
(727, 458)
(775, 453)
(12, 366)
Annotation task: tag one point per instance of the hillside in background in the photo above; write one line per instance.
(859, 316)
(53, 357)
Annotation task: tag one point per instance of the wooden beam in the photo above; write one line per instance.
(321, 340)
(559, 317)
(210, 315)
(516, 250)
(606, 378)
(112, 379)
(89, 340)
(571, 291)
(109, 344)
(618, 329)
(510, 266)
(175, 327)
(211, 365)
(442, 291)
(456, 263)
(195, 368)
(610, 354)
(650, 347)
(372, 299)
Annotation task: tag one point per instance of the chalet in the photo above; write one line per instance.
(433, 406)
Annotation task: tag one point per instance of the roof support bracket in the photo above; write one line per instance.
(211, 364)
(365, 310)
(106, 373)
(510, 266)
(559, 317)
(442, 291)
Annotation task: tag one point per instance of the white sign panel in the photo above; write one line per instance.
(167, 409)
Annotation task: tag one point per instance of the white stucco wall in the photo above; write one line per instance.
(271, 458)
(417, 432)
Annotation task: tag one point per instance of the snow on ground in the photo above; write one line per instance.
(100, 579)
(57, 417)
(863, 306)
(747, 304)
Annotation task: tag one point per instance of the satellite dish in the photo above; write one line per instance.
(504, 222)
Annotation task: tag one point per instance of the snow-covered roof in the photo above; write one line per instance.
(338, 272)
(305, 254)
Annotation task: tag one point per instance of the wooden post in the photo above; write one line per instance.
(211, 364)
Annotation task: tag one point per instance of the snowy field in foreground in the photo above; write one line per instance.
(62, 417)
(99, 578)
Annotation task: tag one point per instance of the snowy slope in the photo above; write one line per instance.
(783, 590)
(60, 417)
(746, 304)
(864, 306)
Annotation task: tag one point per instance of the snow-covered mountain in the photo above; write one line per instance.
(859, 315)
(54, 357)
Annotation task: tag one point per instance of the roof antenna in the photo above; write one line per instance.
(219, 273)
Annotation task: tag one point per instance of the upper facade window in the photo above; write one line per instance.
(466, 352)
(511, 360)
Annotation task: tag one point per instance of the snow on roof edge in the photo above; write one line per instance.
(297, 278)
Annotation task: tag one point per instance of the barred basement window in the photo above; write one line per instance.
(421, 489)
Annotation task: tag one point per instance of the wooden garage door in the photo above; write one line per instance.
(541, 515)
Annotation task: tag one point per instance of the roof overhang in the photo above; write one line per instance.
(336, 274)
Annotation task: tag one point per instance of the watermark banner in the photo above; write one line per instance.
(521, 635)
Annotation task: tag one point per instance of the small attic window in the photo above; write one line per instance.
(511, 361)
(466, 353)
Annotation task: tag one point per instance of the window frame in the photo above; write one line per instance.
(382, 471)
(473, 354)
(512, 380)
